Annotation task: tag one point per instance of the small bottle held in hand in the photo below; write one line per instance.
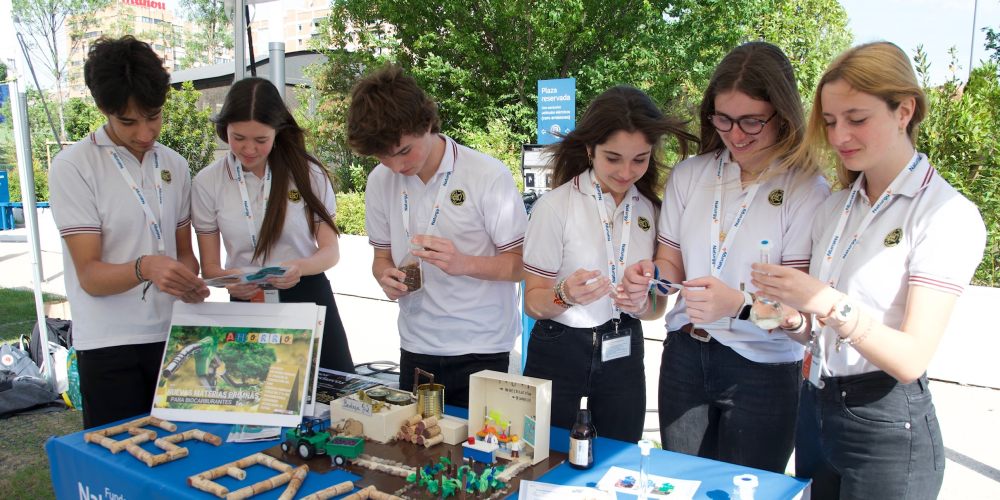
(581, 439)
(411, 265)
(766, 314)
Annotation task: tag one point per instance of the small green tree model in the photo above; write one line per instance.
(247, 360)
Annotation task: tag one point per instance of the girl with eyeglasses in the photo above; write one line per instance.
(728, 388)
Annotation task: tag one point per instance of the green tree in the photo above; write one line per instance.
(82, 118)
(214, 38)
(3, 72)
(44, 23)
(247, 360)
(187, 128)
(959, 136)
(993, 42)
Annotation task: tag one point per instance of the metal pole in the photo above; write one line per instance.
(239, 57)
(253, 61)
(972, 43)
(22, 148)
(276, 52)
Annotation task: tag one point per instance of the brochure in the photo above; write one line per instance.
(238, 363)
(534, 490)
(252, 434)
(622, 480)
(248, 277)
(333, 384)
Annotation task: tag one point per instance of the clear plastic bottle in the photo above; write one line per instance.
(581, 439)
(411, 265)
(766, 314)
(645, 446)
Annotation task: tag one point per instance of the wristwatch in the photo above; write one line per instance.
(744, 310)
(840, 314)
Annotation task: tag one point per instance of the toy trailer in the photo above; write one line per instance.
(343, 448)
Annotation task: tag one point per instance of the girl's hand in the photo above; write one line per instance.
(708, 299)
(790, 286)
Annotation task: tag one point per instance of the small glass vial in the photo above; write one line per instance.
(645, 446)
(765, 313)
(411, 265)
(581, 439)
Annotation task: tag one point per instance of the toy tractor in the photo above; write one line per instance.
(311, 438)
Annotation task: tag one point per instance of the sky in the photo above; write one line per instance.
(937, 24)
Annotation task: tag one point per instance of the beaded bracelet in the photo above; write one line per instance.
(138, 269)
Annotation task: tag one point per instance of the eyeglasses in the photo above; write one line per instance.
(749, 126)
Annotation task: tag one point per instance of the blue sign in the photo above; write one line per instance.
(4, 97)
(556, 109)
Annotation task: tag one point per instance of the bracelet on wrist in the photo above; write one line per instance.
(853, 341)
(798, 329)
(138, 270)
(560, 295)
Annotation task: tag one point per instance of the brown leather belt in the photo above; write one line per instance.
(696, 333)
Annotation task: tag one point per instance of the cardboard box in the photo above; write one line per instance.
(380, 426)
(455, 430)
(523, 403)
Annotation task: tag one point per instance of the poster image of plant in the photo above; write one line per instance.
(234, 369)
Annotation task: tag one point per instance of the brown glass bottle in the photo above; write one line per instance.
(581, 439)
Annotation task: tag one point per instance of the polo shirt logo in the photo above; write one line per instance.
(892, 239)
(165, 175)
(644, 223)
(457, 197)
(776, 197)
(294, 196)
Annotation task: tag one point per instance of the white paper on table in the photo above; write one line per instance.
(533, 490)
(617, 479)
(240, 433)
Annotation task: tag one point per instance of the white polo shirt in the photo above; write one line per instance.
(216, 206)
(565, 233)
(89, 195)
(781, 212)
(929, 235)
(483, 215)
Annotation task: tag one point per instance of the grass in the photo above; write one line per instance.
(24, 467)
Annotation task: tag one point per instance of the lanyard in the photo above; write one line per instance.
(616, 260)
(720, 240)
(405, 203)
(154, 224)
(829, 270)
(247, 211)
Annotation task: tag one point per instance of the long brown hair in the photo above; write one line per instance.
(618, 108)
(762, 72)
(256, 99)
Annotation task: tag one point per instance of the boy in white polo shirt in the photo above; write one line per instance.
(122, 204)
(456, 209)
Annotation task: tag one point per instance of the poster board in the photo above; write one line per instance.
(238, 363)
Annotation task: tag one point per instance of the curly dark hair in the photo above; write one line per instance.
(121, 69)
(385, 106)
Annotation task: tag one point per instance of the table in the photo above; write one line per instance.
(81, 470)
(7, 212)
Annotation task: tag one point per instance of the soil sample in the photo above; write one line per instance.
(413, 280)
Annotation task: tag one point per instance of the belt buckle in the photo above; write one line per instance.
(707, 338)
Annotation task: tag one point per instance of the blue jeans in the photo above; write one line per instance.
(717, 404)
(451, 371)
(868, 436)
(571, 359)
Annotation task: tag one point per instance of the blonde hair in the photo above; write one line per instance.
(880, 69)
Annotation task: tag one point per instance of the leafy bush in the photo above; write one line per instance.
(41, 183)
(188, 129)
(351, 213)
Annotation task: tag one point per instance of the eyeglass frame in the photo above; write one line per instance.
(739, 122)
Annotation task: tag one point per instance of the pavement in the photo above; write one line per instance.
(969, 415)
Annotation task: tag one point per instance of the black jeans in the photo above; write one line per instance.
(451, 371)
(118, 382)
(868, 436)
(571, 359)
(315, 289)
(717, 404)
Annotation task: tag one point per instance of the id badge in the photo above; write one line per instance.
(812, 365)
(271, 296)
(616, 345)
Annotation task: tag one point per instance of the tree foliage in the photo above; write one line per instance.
(214, 38)
(481, 60)
(187, 128)
(959, 136)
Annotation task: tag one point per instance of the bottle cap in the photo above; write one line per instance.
(765, 244)
(583, 403)
(745, 481)
(645, 446)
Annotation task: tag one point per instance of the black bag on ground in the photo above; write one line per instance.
(22, 389)
(60, 332)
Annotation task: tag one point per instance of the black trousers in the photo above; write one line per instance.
(315, 289)
(451, 371)
(118, 382)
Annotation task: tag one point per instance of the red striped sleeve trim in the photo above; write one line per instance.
(206, 231)
(944, 286)
(514, 244)
(540, 272)
(66, 231)
(795, 263)
(183, 222)
(667, 242)
(377, 244)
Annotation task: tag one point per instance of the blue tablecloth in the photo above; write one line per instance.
(82, 470)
